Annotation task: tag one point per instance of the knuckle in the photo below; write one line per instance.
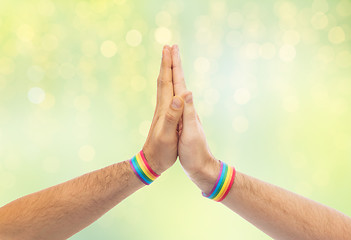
(163, 81)
(187, 93)
(179, 81)
(170, 118)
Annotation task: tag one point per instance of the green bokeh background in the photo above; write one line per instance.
(271, 81)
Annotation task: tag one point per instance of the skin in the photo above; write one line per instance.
(277, 212)
(63, 210)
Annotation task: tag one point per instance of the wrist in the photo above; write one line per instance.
(206, 176)
(154, 165)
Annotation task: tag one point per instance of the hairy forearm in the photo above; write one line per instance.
(283, 214)
(62, 210)
(277, 212)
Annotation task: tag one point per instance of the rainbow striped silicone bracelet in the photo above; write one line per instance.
(223, 184)
(142, 169)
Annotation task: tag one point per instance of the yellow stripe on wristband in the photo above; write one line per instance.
(226, 184)
(144, 168)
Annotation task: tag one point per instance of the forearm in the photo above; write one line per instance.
(279, 213)
(283, 214)
(64, 209)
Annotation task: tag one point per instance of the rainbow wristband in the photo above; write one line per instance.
(223, 184)
(142, 169)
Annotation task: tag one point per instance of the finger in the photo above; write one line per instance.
(173, 116)
(164, 80)
(180, 126)
(178, 75)
(189, 113)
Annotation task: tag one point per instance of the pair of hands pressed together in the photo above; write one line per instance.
(62, 210)
(176, 128)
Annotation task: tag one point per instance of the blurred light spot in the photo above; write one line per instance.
(99, 6)
(46, 8)
(240, 124)
(174, 7)
(254, 29)
(319, 20)
(48, 102)
(35, 73)
(251, 50)
(144, 128)
(291, 104)
(202, 65)
(134, 38)
(235, 20)
(336, 35)
(320, 6)
(325, 54)
(108, 49)
(234, 38)
(344, 8)
(287, 53)
(87, 153)
(163, 35)
(343, 59)
(36, 95)
(51, 164)
(218, 9)
(67, 70)
(89, 48)
(25, 33)
(291, 37)
(163, 19)
(285, 9)
(242, 96)
(82, 103)
(138, 83)
(267, 51)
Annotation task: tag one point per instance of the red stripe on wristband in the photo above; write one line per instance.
(229, 187)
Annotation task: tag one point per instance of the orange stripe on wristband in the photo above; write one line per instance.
(229, 187)
(225, 185)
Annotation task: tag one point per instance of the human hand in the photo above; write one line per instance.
(194, 153)
(160, 148)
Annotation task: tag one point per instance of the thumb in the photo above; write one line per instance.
(173, 115)
(189, 115)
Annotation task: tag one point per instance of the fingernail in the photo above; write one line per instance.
(189, 98)
(176, 103)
